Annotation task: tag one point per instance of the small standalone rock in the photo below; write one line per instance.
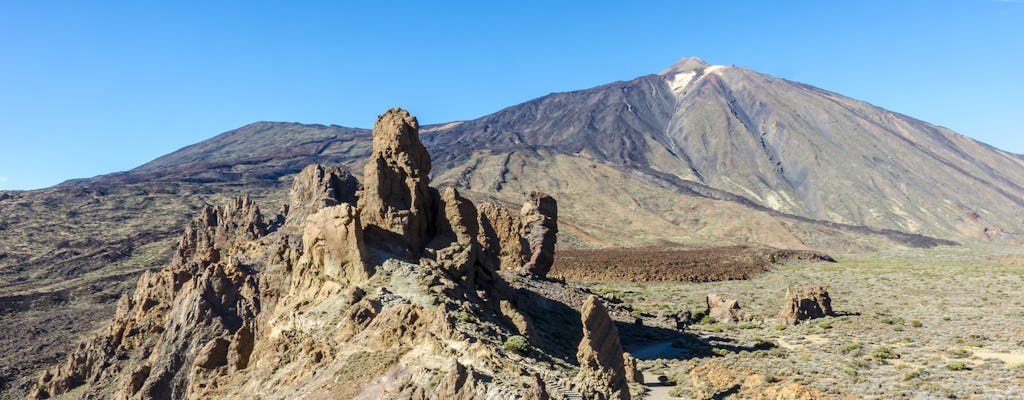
(805, 303)
(724, 310)
(633, 373)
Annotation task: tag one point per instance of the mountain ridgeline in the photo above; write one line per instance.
(753, 157)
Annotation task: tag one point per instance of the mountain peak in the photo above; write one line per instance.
(684, 65)
(688, 70)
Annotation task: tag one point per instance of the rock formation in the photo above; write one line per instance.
(318, 186)
(633, 374)
(305, 306)
(501, 237)
(724, 310)
(540, 219)
(396, 198)
(717, 379)
(602, 373)
(181, 323)
(805, 303)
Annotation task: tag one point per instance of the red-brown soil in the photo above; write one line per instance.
(669, 265)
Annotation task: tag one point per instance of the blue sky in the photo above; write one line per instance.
(92, 87)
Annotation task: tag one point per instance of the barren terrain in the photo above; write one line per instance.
(654, 264)
(941, 323)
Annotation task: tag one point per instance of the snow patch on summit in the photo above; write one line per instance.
(678, 81)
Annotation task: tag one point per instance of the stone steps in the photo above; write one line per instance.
(554, 385)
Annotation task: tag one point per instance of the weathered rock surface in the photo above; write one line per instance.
(724, 310)
(318, 186)
(396, 196)
(716, 379)
(179, 323)
(302, 307)
(633, 374)
(502, 238)
(540, 220)
(602, 373)
(805, 303)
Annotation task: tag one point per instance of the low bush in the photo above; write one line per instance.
(884, 353)
(517, 344)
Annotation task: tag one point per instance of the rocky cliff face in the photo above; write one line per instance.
(314, 305)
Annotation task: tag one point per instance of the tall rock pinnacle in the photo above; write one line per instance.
(396, 202)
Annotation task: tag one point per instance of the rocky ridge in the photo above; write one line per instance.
(410, 302)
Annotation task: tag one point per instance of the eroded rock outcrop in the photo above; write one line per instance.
(502, 237)
(304, 306)
(396, 203)
(717, 379)
(602, 373)
(805, 303)
(540, 221)
(180, 323)
(318, 186)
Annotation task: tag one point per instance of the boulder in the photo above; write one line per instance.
(540, 222)
(805, 303)
(602, 373)
(396, 201)
(724, 310)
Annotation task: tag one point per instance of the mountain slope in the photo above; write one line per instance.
(786, 146)
(692, 156)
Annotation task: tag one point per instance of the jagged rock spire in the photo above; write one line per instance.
(602, 364)
(396, 199)
(540, 220)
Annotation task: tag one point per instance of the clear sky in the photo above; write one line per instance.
(92, 87)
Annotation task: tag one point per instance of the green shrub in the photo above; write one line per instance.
(467, 317)
(517, 344)
(850, 348)
(720, 352)
(825, 325)
(915, 323)
(884, 353)
(959, 352)
(957, 366)
(707, 320)
(748, 325)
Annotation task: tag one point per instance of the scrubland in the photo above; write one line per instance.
(939, 323)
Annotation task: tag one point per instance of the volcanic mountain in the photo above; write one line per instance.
(695, 155)
(692, 154)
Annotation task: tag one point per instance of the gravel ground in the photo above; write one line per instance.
(945, 323)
